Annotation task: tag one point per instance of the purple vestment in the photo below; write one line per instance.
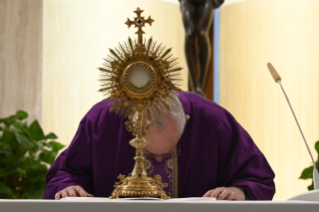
(167, 169)
(215, 151)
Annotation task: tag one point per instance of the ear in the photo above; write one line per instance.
(187, 117)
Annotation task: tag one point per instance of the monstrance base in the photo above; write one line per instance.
(133, 186)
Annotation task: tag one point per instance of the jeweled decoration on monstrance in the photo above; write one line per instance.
(140, 78)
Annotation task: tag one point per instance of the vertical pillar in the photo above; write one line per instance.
(21, 57)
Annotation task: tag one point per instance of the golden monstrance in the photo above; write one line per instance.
(140, 79)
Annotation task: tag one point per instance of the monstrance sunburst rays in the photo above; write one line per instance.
(162, 66)
(140, 78)
(159, 90)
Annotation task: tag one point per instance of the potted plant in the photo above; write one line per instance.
(307, 173)
(26, 153)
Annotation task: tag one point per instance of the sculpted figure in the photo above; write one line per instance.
(197, 18)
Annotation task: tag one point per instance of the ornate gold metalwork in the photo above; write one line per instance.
(175, 175)
(139, 22)
(140, 78)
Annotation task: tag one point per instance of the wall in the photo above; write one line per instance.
(285, 33)
(77, 36)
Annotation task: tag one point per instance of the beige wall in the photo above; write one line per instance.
(77, 35)
(50, 51)
(286, 33)
(20, 57)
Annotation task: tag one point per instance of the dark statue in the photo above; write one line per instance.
(197, 19)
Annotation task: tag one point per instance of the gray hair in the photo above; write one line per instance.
(177, 112)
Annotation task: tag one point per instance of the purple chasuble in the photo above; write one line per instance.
(167, 169)
(215, 151)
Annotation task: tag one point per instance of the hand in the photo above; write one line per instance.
(223, 193)
(72, 191)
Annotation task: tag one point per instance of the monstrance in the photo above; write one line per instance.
(140, 78)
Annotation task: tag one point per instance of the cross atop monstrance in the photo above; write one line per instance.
(139, 79)
(139, 22)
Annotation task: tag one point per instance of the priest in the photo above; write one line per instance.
(198, 148)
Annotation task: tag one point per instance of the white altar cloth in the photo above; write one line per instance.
(176, 205)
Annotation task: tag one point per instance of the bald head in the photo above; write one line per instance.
(164, 138)
(167, 130)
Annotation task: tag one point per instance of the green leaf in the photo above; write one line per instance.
(34, 193)
(47, 145)
(40, 145)
(317, 146)
(30, 163)
(7, 135)
(37, 175)
(34, 190)
(22, 157)
(36, 131)
(10, 120)
(21, 114)
(9, 139)
(23, 141)
(4, 151)
(307, 173)
(19, 125)
(311, 187)
(22, 127)
(51, 136)
(4, 173)
(47, 156)
(5, 190)
(56, 146)
(11, 161)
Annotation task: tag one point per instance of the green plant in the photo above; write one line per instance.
(25, 155)
(307, 173)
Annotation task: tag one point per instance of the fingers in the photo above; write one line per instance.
(64, 193)
(61, 194)
(58, 196)
(224, 194)
(208, 193)
(82, 193)
(231, 196)
(90, 195)
(72, 191)
(216, 192)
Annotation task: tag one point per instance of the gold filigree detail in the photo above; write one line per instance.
(152, 98)
(149, 166)
(139, 22)
(169, 163)
(175, 175)
(139, 100)
(141, 188)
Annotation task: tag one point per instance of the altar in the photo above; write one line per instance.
(177, 205)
